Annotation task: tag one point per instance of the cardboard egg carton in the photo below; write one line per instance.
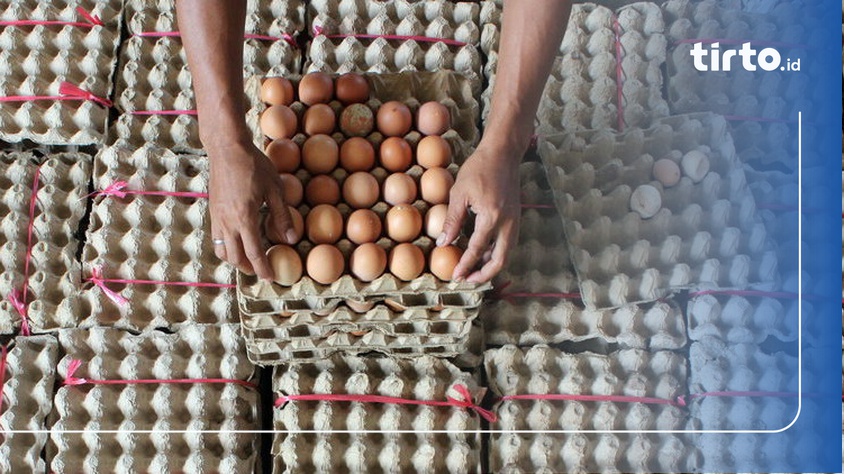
(17, 172)
(194, 352)
(704, 233)
(39, 60)
(108, 11)
(424, 378)
(742, 319)
(27, 398)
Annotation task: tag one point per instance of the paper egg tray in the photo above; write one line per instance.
(490, 20)
(195, 352)
(423, 378)
(17, 172)
(27, 398)
(770, 146)
(38, 59)
(740, 319)
(704, 234)
(108, 11)
(541, 369)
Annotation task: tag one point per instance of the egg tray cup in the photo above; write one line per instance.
(26, 399)
(39, 59)
(108, 11)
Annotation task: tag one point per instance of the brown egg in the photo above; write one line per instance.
(357, 154)
(368, 262)
(320, 154)
(399, 188)
(325, 264)
(395, 154)
(404, 223)
(360, 190)
(298, 227)
(433, 119)
(357, 120)
(324, 224)
(436, 185)
(667, 172)
(363, 226)
(352, 88)
(435, 220)
(285, 155)
(433, 151)
(394, 119)
(293, 191)
(277, 91)
(316, 88)
(286, 264)
(406, 262)
(278, 121)
(319, 119)
(322, 189)
(443, 260)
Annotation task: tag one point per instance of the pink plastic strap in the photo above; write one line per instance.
(176, 34)
(4, 351)
(74, 365)
(163, 112)
(679, 402)
(18, 298)
(118, 189)
(318, 31)
(18, 302)
(619, 73)
(67, 91)
(464, 402)
(732, 41)
(92, 21)
(782, 295)
(98, 280)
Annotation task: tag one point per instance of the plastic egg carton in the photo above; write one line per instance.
(742, 319)
(108, 11)
(544, 370)
(705, 234)
(423, 378)
(27, 398)
(194, 352)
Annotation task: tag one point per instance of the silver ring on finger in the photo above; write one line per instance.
(218, 241)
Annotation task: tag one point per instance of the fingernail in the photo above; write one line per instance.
(290, 235)
(441, 240)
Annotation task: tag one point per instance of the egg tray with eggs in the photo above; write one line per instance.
(27, 393)
(108, 11)
(195, 352)
(544, 370)
(638, 229)
(742, 319)
(38, 60)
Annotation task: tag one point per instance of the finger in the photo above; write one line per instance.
(506, 237)
(478, 244)
(253, 250)
(281, 222)
(234, 250)
(454, 217)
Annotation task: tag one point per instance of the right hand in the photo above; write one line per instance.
(242, 179)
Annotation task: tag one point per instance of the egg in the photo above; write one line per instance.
(352, 88)
(436, 185)
(368, 262)
(295, 219)
(316, 88)
(646, 200)
(277, 91)
(666, 172)
(443, 260)
(357, 120)
(435, 220)
(322, 189)
(394, 119)
(404, 223)
(324, 224)
(399, 188)
(357, 154)
(395, 154)
(433, 151)
(320, 154)
(433, 118)
(285, 263)
(363, 226)
(292, 190)
(319, 119)
(695, 165)
(285, 155)
(278, 121)
(360, 190)
(325, 264)
(406, 262)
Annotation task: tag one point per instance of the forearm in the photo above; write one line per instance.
(212, 33)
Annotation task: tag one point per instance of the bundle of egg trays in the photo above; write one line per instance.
(424, 378)
(542, 370)
(651, 211)
(545, 308)
(38, 59)
(194, 352)
(158, 238)
(334, 48)
(58, 207)
(65, 10)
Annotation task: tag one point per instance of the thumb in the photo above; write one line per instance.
(453, 222)
(281, 223)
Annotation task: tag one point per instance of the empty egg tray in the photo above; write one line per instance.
(107, 11)
(742, 319)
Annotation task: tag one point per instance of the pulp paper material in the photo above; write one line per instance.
(108, 11)
(16, 170)
(27, 398)
(150, 168)
(740, 319)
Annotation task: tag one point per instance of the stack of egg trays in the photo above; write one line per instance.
(38, 59)
(26, 398)
(194, 352)
(149, 237)
(379, 450)
(544, 370)
(706, 234)
(540, 265)
(437, 19)
(59, 206)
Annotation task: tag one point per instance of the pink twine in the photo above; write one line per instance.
(619, 73)
(118, 189)
(163, 112)
(67, 91)
(318, 31)
(18, 298)
(3, 354)
(464, 402)
(74, 365)
(98, 280)
(92, 21)
(171, 34)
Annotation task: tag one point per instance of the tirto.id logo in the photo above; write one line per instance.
(713, 59)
